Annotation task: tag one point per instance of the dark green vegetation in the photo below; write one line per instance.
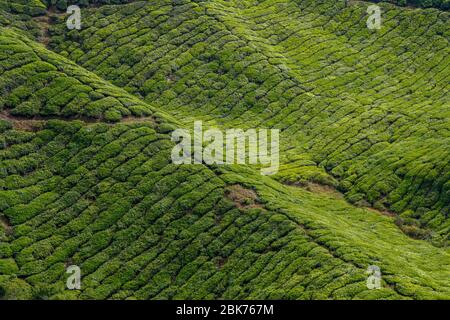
(36, 82)
(441, 4)
(106, 198)
(344, 96)
(363, 111)
(23, 7)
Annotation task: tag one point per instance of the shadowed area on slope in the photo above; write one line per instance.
(368, 107)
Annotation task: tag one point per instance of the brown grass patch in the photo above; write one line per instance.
(243, 198)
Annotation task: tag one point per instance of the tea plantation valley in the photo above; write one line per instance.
(86, 175)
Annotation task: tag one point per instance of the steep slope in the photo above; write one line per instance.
(369, 107)
(106, 197)
(37, 82)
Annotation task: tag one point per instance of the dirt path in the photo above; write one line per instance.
(20, 123)
(4, 223)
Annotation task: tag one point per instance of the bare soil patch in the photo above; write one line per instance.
(242, 197)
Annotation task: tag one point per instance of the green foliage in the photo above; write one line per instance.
(8, 266)
(14, 289)
(63, 4)
(27, 7)
(441, 4)
(141, 227)
(360, 111)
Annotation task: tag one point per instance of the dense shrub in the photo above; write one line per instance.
(369, 110)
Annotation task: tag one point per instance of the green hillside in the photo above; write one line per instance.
(37, 82)
(86, 176)
(344, 96)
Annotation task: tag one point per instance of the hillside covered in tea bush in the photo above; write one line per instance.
(86, 176)
(37, 82)
(371, 108)
(441, 4)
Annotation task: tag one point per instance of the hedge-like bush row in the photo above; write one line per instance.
(368, 107)
(63, 4)
(26, 7)
(37, 82)
(440, 4)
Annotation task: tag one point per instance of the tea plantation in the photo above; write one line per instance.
(86, 176)
(344, 96)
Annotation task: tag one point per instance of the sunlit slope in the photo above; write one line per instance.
(37, 82)
(25, 7)
(107, 198)
(369, 107)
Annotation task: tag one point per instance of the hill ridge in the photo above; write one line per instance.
(371, 121)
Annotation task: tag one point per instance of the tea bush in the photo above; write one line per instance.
(35, 82)
(343, 95)
(362, 111)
